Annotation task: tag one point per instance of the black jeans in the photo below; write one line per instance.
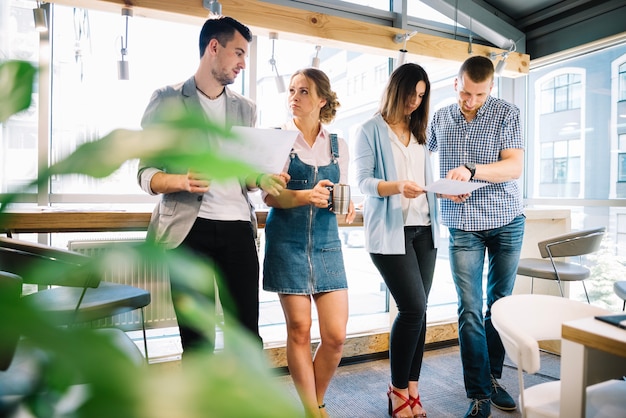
(409, 278)
(230, 248)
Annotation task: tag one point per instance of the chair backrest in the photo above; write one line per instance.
(573, 243)
(524, 320)
(10, 291)
(45, 265)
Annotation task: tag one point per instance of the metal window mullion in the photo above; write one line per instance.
(44, 109)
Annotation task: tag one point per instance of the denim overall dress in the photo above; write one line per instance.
(302, 247)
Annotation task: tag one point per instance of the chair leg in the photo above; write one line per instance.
(586, 294)
(532, 283)
(560, 287)
(145, 340)
(624, 305)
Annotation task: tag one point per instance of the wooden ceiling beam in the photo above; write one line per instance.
(312, 27)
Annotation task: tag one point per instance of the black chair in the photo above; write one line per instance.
(10, 291)
(72, 291)
(23, 364)
(568, 245)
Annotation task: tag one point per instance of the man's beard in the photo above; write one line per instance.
(222, 78)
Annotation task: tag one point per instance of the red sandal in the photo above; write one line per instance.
(405, 404)
(413, 402)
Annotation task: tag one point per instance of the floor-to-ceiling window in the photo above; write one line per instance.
(575, 152)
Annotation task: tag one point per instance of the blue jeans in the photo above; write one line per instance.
(482, 352)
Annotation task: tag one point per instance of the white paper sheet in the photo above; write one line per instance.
(266, 150)
(453, 187)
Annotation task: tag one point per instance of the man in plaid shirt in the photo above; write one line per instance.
(479, 139)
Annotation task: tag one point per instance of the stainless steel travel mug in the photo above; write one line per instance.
(340, 198)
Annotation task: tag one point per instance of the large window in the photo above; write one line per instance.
(621, 158)
(561, 93)
(575, 151)
(622, 82)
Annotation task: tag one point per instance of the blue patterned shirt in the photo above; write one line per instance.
(496, 127)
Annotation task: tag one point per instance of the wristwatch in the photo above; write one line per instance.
(472, 169)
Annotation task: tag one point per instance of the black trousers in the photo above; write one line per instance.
(409, 278)
(230, 248)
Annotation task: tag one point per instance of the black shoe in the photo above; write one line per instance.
(500, 398)
(479, 408)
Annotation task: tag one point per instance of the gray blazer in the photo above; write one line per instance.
(176, 213)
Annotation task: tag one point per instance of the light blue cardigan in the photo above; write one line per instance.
(382, 216)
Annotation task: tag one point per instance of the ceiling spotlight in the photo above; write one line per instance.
(280, 83)
(403, 38)
(41, 20)
(123, 72)
(213, 6)
(502, 63)
(316, 60)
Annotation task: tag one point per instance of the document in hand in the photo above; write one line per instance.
(266, 150)
(453, 187)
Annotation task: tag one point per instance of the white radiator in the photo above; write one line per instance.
(150, 276)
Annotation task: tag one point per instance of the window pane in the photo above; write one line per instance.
(560, 170)
(547, 101)
(575, 148)
(621, 167)
(547, 150)
(547, 169)
(560, 149)
(18, 135)
(94, 101)
(560, 98)
(573, 170)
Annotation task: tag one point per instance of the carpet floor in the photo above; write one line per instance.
(360, 390)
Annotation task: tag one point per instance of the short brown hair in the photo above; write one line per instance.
(477, 68)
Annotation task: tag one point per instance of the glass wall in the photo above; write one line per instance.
(575, 134)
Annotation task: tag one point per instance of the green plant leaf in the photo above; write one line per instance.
(16, 87)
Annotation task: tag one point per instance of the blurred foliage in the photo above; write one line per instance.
(236, 382)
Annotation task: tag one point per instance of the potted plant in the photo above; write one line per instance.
(235, 383)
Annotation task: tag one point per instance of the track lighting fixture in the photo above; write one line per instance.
(502, 63)
(41, 19)
(316, 59)
(280, 83)
(402, 38)
(213, 6)
(122, 65)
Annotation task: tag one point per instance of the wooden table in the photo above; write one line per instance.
(49, 220)
(591, 352)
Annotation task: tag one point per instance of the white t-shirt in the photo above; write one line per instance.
(224, 201)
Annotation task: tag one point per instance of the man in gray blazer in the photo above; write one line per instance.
(215, 220)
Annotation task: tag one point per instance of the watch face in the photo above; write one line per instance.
(470, 166)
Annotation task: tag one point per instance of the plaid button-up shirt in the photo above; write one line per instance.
(496, 127)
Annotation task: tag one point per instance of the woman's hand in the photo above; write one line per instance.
(409, 189)
(273, 184)
(320, 195)
(351, 213)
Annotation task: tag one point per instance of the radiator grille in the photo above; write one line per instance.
(151, 276)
